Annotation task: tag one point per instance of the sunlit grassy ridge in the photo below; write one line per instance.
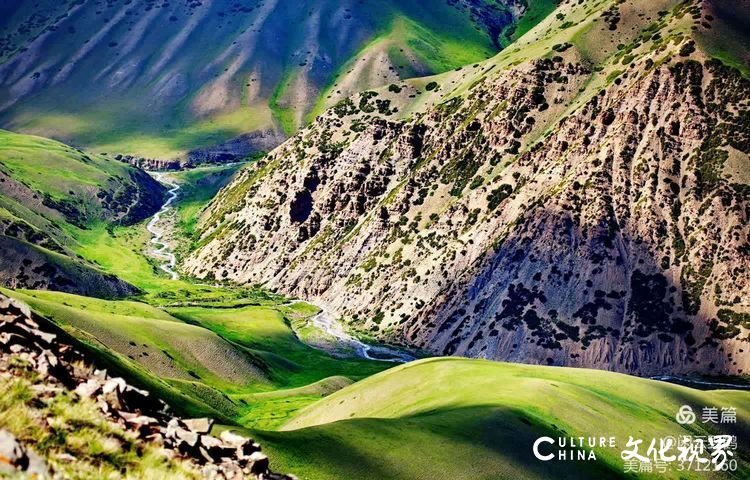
(61, 173)
(460, 418)
(30, 159)
(135, 85)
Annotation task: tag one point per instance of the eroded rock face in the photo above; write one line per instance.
(520, 221)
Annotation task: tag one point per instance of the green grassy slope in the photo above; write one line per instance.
(83, 188)
(459, 418)
(243, 364)
(124, 78)
(197, 188)
(50, 193)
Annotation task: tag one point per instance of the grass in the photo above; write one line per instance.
(198, 187)
(72, 427)
(538, 10)
(298, 374)
(284, 115)
(120, 127)
(459, 418)
(436, 51)
(177, 360)
(242, 364)
(29, 159)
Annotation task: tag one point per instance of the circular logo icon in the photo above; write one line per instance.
(685, 415)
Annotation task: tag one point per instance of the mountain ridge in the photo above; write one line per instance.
(564, 202)
(121, 77)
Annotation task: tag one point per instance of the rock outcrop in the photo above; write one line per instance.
(28, 350)
(151, 163)
(581, 202)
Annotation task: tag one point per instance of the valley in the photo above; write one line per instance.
(385, 241)
(158, 227)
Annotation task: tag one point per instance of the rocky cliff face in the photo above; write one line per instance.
(582, 199)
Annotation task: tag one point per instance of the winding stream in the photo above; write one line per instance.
(158, 229)
(323, 321)
(706, 385)
(334, 328)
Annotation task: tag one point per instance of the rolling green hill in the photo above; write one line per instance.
(50, 193)
(126, 77)
(241, 363)
(476, 419)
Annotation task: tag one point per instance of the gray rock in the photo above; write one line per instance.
(231, 438)
(89, 389)
(37, 468)
(199, 425)
(12, 454)
(258, 463)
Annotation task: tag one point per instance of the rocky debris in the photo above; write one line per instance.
(150, 163)
(237, 148)
(15, 457)
(232, 150)
(61, 368)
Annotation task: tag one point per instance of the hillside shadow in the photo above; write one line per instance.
(472, 443)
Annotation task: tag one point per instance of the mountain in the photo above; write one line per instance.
(221, 78)
(580, 199)
(50, 194)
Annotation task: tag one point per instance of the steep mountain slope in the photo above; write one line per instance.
(474, 419)
(49, 192)
(580, 199)
(164, 79)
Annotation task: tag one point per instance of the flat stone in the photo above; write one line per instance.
(89, 388)
(188, 437)
(47, 338)
(138, 420)
(227, 436)
(199, 425)
(211, 442)
(114, 384)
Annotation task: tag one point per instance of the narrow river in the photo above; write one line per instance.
(334, 328)
(158, 227)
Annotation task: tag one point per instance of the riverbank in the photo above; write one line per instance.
(159, 227)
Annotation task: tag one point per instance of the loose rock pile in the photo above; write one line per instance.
(230, 456)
